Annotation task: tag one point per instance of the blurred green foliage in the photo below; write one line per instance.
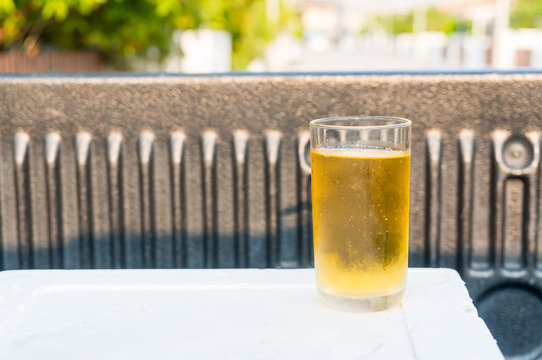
(523, 14)
(447, 23)
(526, 14)
(122, 29)
(436, 20)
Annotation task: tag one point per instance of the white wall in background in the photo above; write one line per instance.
(474, 52)
(428, 49)
(200, 51)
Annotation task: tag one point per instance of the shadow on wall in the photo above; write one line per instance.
(116, 250)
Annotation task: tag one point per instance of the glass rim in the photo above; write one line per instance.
(323, 123)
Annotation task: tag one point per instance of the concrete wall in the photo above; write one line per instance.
(176, 171)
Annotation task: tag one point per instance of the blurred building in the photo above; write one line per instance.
(332, 40)
(492, 40)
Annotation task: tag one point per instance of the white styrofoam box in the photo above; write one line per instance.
(228, 314)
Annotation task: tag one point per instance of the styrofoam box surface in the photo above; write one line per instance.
(228, 314)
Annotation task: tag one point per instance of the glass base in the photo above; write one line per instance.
(362, 304)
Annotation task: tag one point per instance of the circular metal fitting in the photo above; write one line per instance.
(518, 153)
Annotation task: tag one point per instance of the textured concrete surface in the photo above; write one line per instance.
(175, 171)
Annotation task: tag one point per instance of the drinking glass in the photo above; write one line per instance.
(360, 201)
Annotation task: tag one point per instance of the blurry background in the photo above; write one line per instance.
(208, 36)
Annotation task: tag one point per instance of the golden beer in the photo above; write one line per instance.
(360, 215)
